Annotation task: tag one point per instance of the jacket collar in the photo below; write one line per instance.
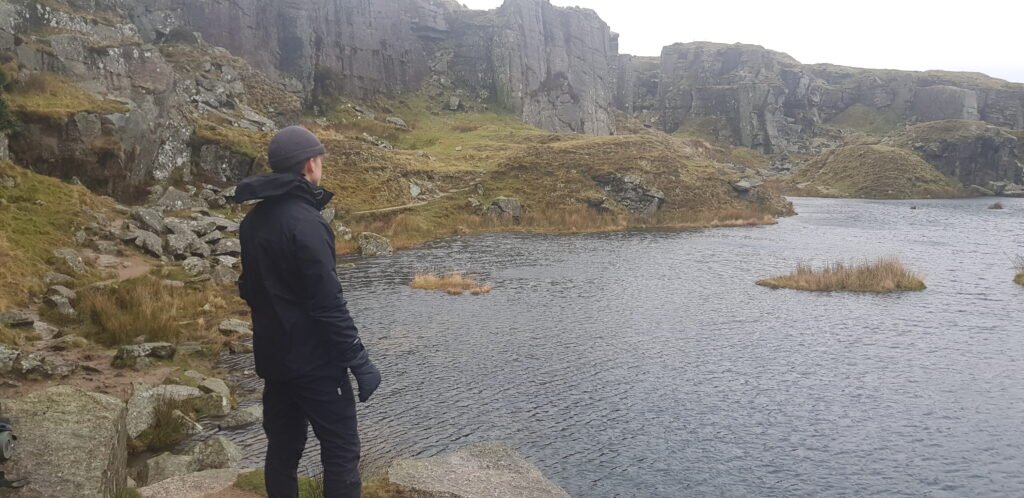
(281, 185)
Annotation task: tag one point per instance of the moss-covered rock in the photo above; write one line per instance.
(973, 152)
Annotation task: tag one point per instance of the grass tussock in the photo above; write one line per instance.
(168, 429)
(881, 276)
(1019, 266)
(146, 306)
(997, 206)
(455, 284)
(49, 96)
(255, 482)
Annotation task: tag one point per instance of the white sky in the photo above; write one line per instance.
(979, 35)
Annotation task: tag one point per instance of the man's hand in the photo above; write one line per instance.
(368, 378)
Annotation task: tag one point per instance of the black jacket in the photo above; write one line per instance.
(301, 323)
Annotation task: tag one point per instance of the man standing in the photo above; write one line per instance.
(303, 336)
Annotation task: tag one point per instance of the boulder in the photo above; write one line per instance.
(185, 244)
(213, 237)
(149, 242)
(142, 404)
(129, 356)
(72, 259)
(150, 219)
(632, 192)
(165, 466)
(212, 405)
(372, 245)
(232, 327)
(487, 470)
(397, 122)
(61, 305)
(215, 385)
(8, 358)
(71, 443)
(342, 232)
(506, 207)
(36, 366)
(176, 200)
(215, 453)
(228, 247)
(45, 330)
(239, 347)
(17, 319)
(195, 266)
(242, 417)
(195, 485)
(223, 275)
(329, 214)
(57, 279)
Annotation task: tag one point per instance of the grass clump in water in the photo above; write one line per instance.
(881, 276)
(997, 206)
(455, 284)
(1019, 266)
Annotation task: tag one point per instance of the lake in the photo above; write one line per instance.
(648, 364)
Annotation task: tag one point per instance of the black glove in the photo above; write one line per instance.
(368, 378)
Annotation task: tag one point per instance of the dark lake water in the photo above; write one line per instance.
(650, 365)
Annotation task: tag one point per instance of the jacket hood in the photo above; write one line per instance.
(279, 185)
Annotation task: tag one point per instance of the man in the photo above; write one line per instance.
(304, 339)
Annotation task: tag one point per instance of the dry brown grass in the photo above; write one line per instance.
(881, 276)
(49, 96)
(148, 306)
(455, 284)
(1018, 264)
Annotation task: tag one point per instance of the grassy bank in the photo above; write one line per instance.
(872, 172)
(881, 276)
(38, 214)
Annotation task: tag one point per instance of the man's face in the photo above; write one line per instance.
(315, 170)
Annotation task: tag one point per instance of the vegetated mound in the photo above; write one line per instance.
(455, 284)
(37, 215)
(880, 276)
(973, 152)
(865, 119)
(873, 172)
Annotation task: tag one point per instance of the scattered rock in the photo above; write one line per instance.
(746, 185)
(233, 327)
(38, 367)
(183, 245)
(329, 214)
(195, 266)
(195, 485)
(213, 237)
(372, 245)
(343, 232)
(632, 192)
(212, 405)
(223, 275)
(57, 279)
(176, 200)
(61, 305)
(243, 417)
(149, 219)
(506, 207)
(377, 142)
(45, 330)
(129, 356)
(488, 470)
(71, 443)
(150, 242)
(72, 259)
(8, 358)
(60, 290)
(142, 404)
(397, 122)
(237, 347)
(228, 261)
(165, 466)
(215, 385)
(230, 247)
(473, 203)
(17, 319)
(215, 453)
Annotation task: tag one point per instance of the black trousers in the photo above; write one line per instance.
(288, 410)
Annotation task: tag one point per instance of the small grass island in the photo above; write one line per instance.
(455, 284)
(880, 276)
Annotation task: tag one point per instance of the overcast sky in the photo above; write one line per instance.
(978, 35)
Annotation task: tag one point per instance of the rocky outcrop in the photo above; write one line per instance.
(197, 485)
(71, 443)
(632, 192)
(488, 470)
(973, 152)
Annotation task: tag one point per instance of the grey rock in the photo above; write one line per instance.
(72, 259)
(149, 219)
(397, 122)
(488, 470)
(632, 192)
(343, 232)
(233, 327)
(195, 266)
(150, 242)
(239, 347)
(45, 330)
(57, 279)
(228, 261)
(190, 427)
(8, 358)
(129, 356)
(329, 214)
(165, 466)
(194, 485)
(60, 290)
(107, 248)
(214, 385)
(144, 399)
(223, 275)
(176, 200)
(215, 453)
(36, 366)
(373, 245)
(18, 318)
(230, 247)
(506, 207)
(61, 305)
(242, 417)
(213, 237)
(222, 224)
(212, 405)
(183, 245)
(223, 165)
(71, 443)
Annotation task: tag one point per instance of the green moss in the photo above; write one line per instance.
(255, 482)
(866, 119)
(46, 96)
(875, 172)
(251, 144)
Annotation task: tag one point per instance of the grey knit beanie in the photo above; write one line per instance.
(291, 148)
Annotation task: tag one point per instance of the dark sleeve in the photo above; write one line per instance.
(314, 253)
